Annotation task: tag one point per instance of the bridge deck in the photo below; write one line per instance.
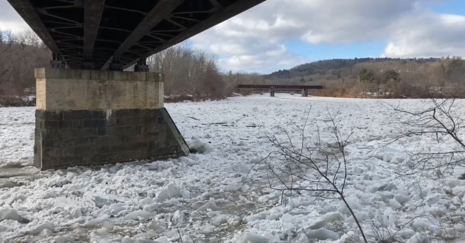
(93, 33)
(283, 86)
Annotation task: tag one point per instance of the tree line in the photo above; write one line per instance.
(20, 54)
(382, 77)
(190, 74)
(443, 78)
(323, 66)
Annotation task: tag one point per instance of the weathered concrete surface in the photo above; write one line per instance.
(83, 138)
(61, 89)
(86, 118)
(305, 93)
(7, 172)
(18, 176)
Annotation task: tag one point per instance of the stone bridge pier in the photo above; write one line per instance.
(305, 93)
(90, 117)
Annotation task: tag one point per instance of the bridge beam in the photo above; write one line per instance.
(30, 16)
(115, 64)
(57, 61)
(161, 11)
(278, 86)
(141, 66)
(222, 14)
(75, 28)
(93, 10)
(90, 117)
(27, 11)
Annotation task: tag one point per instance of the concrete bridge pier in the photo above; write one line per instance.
(305, 93)
(90, 117)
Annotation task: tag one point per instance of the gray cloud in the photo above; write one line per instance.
(256, 39)
(9, 18)
(7, 13)
(428, 34)
(242, 41)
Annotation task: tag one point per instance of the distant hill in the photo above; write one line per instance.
(328, 66)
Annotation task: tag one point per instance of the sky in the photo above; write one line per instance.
(280, 34)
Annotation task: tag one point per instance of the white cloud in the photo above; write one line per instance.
(10, 19)
(256, 40)
(14, 27)
(426, 35)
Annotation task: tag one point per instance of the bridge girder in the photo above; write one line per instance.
(90, 34)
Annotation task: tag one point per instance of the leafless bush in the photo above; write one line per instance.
(309, 164)
(438, 120)
(189, 72)
(233, 79)
(11, 101)
(178, 98)
(19, 55)
(441, 78)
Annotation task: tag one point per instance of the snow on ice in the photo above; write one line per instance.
(222, 193)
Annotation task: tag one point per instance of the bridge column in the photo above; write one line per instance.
(57, 61)
(87, 62)
(89, 117)
(115, 64)
(305, 93)
(141, 66)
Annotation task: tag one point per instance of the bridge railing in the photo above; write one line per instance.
(274, 88)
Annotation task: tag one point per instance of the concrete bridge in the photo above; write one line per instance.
(279, 87)
(90, 112)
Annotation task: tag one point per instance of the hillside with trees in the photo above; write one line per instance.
(324, 67)
(379, 77)
(195, 75)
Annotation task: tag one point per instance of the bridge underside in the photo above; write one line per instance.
(103, 115)
(115, 34)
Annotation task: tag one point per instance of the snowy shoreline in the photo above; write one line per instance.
(212, 196)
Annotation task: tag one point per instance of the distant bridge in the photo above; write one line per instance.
(274, 87)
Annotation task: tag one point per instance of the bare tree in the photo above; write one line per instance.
(29, 38)
(189, 72)
(418, 78)
(321, 166)
(233, 79)
(439, 120)
(19, 55)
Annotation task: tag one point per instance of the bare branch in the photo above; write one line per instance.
(319, 165)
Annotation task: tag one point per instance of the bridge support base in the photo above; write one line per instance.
(305, 93)
(87, 117)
